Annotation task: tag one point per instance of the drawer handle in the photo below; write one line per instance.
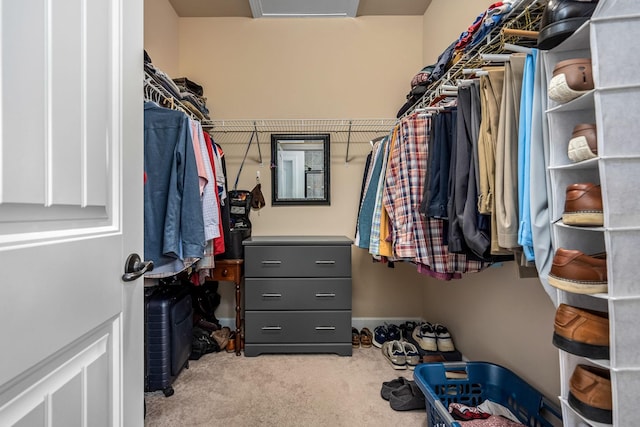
(325, 328)
(269, 262)
(325, 262)
(272, 328)
(325, 295)
(272, 295)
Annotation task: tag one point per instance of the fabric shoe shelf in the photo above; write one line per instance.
(614, 106)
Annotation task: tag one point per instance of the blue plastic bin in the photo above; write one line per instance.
(481, 381)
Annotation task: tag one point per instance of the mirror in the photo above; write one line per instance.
(300, 169)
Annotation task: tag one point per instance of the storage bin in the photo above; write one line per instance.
(613, 64)
(482, 380)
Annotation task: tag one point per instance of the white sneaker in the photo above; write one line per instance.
(445, 343)
(394, 353)
(411, 354)
(425, 336)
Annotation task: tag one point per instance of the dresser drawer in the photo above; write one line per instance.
(297, 261)
(332, 293)
(297, 326)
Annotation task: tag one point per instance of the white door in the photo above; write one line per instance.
(291, 177)
(70, 212)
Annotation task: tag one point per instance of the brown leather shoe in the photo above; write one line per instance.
(590, 393)
(583, 144)
(366, 337)
(583, 205)
(576, 272)
(231, 345)
(571, 78)
(581, 331)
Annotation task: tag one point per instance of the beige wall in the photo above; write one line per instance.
(361, 68)
(161, 35)
(318, 68)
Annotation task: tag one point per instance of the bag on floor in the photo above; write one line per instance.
(202, 344)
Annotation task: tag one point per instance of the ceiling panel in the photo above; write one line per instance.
(242, 8)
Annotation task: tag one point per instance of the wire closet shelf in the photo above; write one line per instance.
(341, 131)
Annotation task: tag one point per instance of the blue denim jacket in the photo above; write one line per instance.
(173, 224)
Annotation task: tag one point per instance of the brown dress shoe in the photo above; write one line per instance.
(590, 393)
(583, 144)
(581, 331)
(571, 78)
(583, 205)
(576, 272)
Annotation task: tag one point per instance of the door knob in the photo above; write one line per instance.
(134, 267)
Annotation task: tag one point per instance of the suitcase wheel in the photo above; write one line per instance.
(168, 391)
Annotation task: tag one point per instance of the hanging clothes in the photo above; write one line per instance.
(403, 188)
(443, 133)
(173, 222)
(505, 198)
(376, 219)
(365, 218)
(525, 238)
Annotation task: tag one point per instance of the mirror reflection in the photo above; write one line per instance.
(300, 169)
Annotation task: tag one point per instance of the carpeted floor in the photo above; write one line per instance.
(222, 389)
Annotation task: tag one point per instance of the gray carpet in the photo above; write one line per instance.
(222, 389)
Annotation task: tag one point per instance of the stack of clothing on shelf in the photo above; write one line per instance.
(191, 95)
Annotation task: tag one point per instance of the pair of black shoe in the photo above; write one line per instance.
(403, 394)
(561, 18)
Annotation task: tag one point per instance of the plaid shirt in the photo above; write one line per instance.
(415, 237)
(404, 187)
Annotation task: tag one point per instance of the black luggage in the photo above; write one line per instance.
(168, 335)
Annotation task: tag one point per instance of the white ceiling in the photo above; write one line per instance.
(242, 8)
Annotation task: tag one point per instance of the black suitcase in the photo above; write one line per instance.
(168, 335)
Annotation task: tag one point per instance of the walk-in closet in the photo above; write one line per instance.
(447, 151)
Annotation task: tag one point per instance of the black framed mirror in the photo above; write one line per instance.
(300, 169)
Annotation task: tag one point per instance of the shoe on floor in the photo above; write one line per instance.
(581, 331)
(389, 386)
(411, 354)
(355, 338)
(583, 205)
(425, 336)
(590, 393)
(366, 337)
(576, 272)
(407, 398)
(443, 338)
(222, 336)
(571, 78)
(393, 332)
(231, 345)
(406, 329)
(394, 353)
(380, 335)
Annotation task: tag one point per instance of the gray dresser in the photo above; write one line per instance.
(297, 295)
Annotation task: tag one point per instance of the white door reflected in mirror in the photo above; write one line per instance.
(301, 169)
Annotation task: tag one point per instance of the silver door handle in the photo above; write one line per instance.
(325, 295)
(269, 262)
(325, 262)
(325, 328)
(134, 267)
(271, 328)
(271, 295)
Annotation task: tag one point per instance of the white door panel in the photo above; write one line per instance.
(70, 134)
